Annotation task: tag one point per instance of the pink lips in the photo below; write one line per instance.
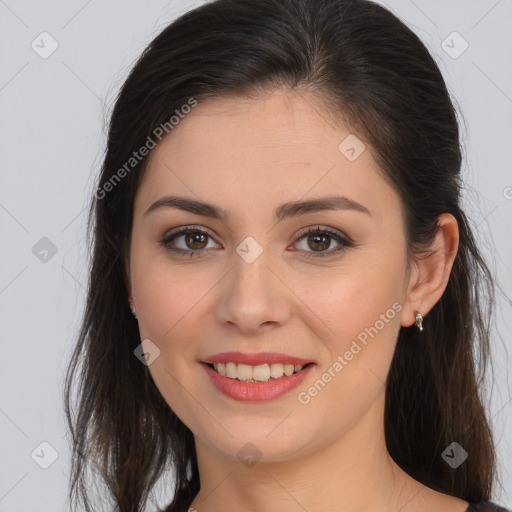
(256, 391)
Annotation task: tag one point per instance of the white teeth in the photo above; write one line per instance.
(260, 373)
(244, 372)
(276, 370)
(231, 370)
(288, 369)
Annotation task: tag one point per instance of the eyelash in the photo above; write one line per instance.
(344, 242)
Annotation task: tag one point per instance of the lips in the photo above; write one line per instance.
(256, 391)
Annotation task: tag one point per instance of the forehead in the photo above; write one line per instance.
(271, 146)
(273, 120)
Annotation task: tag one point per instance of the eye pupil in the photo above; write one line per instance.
(316, 239)
(195, 238)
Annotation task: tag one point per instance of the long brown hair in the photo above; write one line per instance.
(376, 75)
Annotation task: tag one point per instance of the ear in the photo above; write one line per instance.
(430, 272)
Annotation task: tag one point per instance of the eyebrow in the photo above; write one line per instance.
(285, 211)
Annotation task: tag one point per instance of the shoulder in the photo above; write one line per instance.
(485, 506)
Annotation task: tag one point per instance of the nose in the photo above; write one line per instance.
(253, 295)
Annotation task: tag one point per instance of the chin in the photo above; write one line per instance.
(267, 445)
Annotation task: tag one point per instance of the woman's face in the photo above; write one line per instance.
(254, 283)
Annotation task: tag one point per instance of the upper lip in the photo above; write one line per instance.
(255, 359)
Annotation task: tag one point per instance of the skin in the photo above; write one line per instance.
(249, 156)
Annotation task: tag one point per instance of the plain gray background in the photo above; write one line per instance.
(52, 136)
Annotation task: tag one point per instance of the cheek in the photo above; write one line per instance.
(353, 298)
(164, 303)
(361, 307)
(167, 295)
(169, 314)
(352, 374)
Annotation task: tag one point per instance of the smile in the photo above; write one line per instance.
(288, 377)
(260, 373)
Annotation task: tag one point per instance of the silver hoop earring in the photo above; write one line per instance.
(419, 322)
(132, 306)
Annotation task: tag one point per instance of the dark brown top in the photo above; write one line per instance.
(485, 506)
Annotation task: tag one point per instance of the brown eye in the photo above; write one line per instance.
(319, 242)
(186, 241)
(319, 239)
(195, 240)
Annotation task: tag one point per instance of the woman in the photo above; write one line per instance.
(279, 205)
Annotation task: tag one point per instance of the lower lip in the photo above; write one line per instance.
(256, 391)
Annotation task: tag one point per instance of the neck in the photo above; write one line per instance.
(354, 473)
